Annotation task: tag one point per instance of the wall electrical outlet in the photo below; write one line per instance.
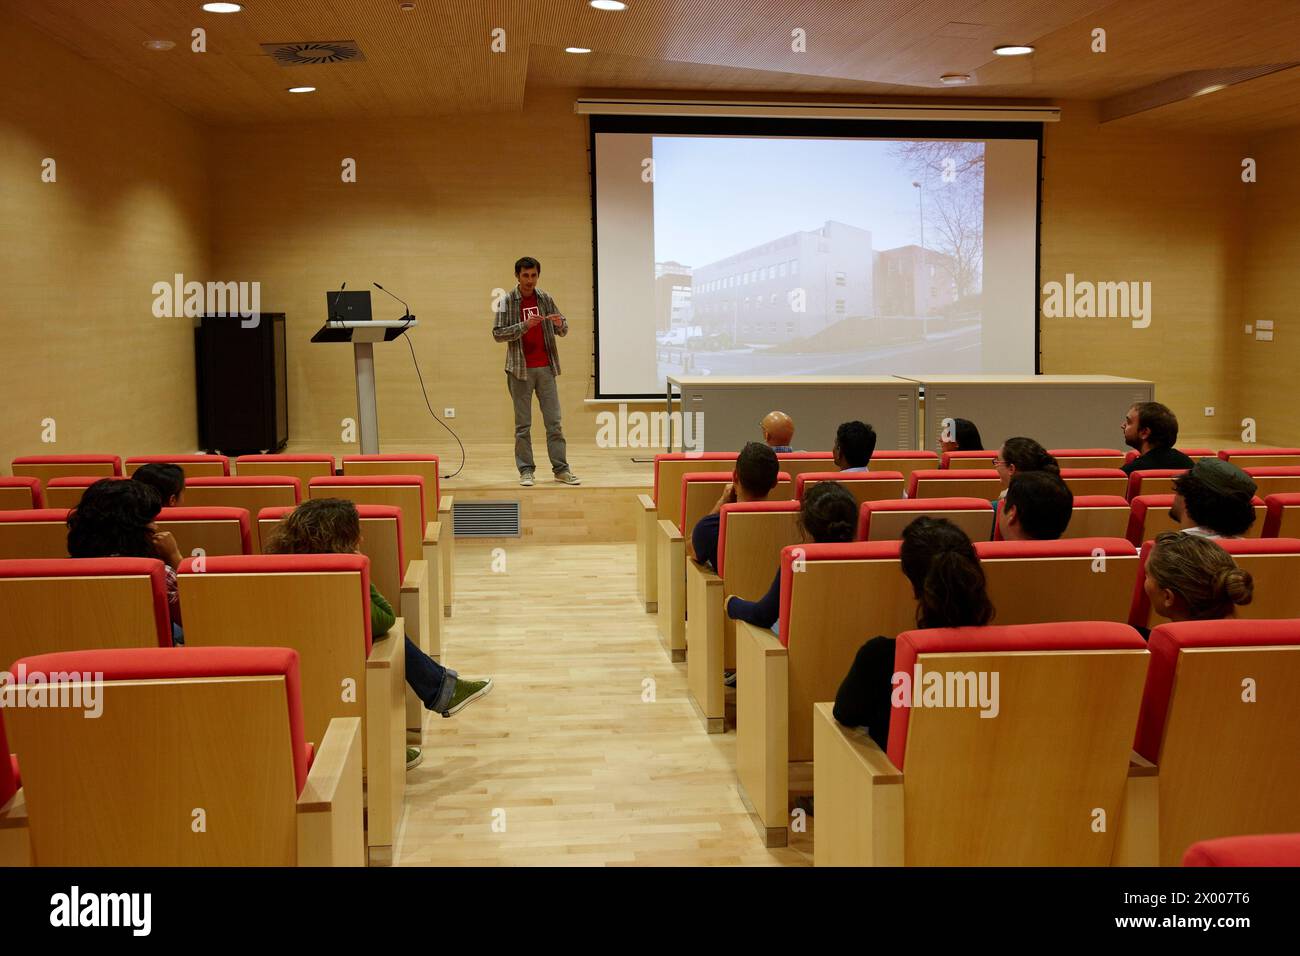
(449, 413)
(1209, 411)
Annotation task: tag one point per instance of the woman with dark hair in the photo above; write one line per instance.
(115, 519)
(828, 513)
(333, 526)
(948, 584)
(965, 436)
(165, 478)
(1022, 454)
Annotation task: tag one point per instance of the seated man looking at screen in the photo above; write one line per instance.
(1038, 507)
(855, 442)
(778, 431)
(753, 480)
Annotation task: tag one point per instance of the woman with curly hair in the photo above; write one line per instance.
(115, 519)
(333, 526)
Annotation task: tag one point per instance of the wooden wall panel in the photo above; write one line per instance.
(129, 208)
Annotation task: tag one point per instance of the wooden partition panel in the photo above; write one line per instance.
(1039, 590)
(406, 497)
(216, 537)
(668, 501)
(869, 489)
(15, 498)
(974, 787)
(754, 543)
(428, 470)
(33, 539)
(44, 615)
(121, 790)
(253, 498)
(986, 488)
(1227, 767)
(304, 471)
(1106, 522)
(889, 525)
(45, 472)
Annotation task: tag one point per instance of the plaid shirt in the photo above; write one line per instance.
(508, 326)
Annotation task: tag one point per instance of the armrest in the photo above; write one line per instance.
(763, 729)
(384, 649)
(445, 504)
(645, 502)
(859, 797)
(1140, 766)
(328, 770)
(417, 576)
(762, 638)
(431, 532)
(669, 530)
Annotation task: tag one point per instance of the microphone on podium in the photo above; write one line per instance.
(408, 317)
(334, 313)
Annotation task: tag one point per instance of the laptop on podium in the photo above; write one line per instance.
(348, 306)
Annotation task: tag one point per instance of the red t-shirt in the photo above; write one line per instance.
(535, 354)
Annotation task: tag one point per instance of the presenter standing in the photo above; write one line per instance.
(528, 321)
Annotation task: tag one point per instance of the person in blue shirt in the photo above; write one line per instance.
(828, 513)
(854, 444)
(752, 480)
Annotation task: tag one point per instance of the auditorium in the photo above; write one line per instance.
(809, 435)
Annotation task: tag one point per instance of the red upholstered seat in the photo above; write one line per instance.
(371, 459)
(147, 663)
(1273, 849)
(926, 505)
(271, 459)
(812, 477)
(689, 456)
(746, 507)
(1289, 456)
(948, 458)
(1070, 636)
(1061, 548)
(720, 478)
(1277, 505)
(1192, 453)
(214, 514)
(948, 474)
(151, 568)
(346, 481)
(363, 512)
(1165, 643)
(290, 564)
(113, 460)
(1140, 612)
(1081, 502)
(13, 486)
(1059, 453)
(136, 461)
(851, 551)
(891, 454)
(35, 514)
(246, 481)
(1135, 479)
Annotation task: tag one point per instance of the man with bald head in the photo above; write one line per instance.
(778, 431)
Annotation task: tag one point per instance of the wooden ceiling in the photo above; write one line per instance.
(438, 59)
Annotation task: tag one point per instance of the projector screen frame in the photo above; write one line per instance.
(773, 127)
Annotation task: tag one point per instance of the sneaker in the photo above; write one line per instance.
(568, 477)
(729, 678)
(466, 692)
(526, 479)
(413, 757)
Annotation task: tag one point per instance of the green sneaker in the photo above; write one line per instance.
(466, 692)
(413, 757)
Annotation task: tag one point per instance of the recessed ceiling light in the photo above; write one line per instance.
(576, 49)
(1014, 49)
(222, 7)
(954, 79)
(159, 44)
(608, 5)
(302, 89)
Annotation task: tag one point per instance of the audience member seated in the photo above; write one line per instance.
(828, 513)
(1214, 500)
(166, 479)
(1152, 429)
(115, 519)
(948, 583)
(854, 444)
(753, 479)
(778, 431)
(333, 526)
(1190, 578)
(965, 437)
(1037, 507)
(1020, 455)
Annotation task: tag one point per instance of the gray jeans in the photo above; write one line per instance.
(542, 381)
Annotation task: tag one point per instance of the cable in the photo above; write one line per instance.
(416, 361)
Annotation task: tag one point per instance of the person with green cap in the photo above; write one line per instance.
(1214, 500)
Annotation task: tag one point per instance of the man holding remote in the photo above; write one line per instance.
(528, 321)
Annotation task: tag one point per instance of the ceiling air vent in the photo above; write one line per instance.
(315, 52)
(486, 519)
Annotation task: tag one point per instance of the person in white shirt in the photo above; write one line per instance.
(1214, 500)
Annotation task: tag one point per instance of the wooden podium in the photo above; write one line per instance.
(363, 335)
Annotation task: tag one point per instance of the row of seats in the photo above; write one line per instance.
(310, 613)
(1105, 750)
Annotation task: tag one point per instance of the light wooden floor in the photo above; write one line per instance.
(585, 772)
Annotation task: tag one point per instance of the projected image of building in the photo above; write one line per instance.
(672, 296)
(913, 281)
(787, 288)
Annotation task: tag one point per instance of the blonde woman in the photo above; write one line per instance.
(1190, 578)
